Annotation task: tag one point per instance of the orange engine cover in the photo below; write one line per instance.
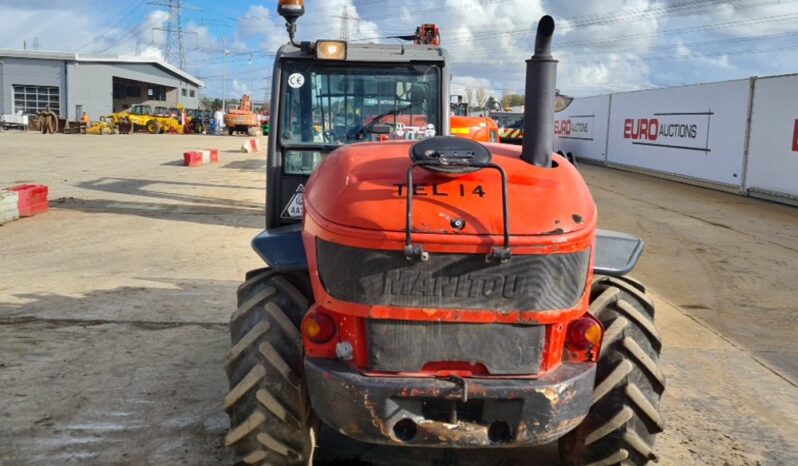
(357, 198)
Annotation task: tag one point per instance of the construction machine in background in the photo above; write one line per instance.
(200, 121)
(483, 129)
(476, 128)
(457, 106)
(138, 117)
(511, 126)
(242, 120)
(430, 291)
(143, 117)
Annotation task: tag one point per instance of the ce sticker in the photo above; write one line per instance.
(296, 80)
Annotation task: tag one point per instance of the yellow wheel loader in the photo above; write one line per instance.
(141, 116)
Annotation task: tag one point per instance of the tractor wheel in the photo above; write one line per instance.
(623, 422)
(153, 127)
(271, 422)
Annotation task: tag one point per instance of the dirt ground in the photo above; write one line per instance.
(113, 308)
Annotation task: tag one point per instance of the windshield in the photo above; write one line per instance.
(332, 104)
(141, 110)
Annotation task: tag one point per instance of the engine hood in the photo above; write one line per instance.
(364, 186)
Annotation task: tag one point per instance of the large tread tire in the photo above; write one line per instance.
(153, 127)
(271, 422)
(623, 422)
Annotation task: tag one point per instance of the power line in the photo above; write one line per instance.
(124, 35)
(677, 57)
(112, 27)
(688, 8)
(606, 45)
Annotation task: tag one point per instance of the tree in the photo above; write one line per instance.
(469, 96)
(206, 103)
(481, 96)
(511, 99)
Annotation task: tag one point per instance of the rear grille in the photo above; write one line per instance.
(406, 346)
(452, 281)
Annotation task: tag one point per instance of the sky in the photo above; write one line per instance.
(603, 46)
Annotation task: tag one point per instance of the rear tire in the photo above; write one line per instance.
(271, 422)
(622, 424)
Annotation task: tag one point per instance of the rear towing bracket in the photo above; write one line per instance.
(451, 411)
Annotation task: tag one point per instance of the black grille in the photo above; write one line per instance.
(452, 281)
(406, 346)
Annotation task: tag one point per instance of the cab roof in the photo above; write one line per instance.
(369, 53)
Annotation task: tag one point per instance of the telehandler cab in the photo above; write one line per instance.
(431, 291)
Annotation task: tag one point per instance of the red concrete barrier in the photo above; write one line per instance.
(251, 146)
(198, 158)
(32, 199)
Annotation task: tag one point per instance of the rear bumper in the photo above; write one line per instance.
(419, 411)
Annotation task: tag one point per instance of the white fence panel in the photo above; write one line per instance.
(773, 149)
(693, 131)
(582, 128)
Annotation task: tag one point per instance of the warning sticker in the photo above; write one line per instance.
(296, 206)
(296, 80)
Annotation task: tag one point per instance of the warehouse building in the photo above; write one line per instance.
(70, 84)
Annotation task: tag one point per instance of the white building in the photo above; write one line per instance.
(70, 84)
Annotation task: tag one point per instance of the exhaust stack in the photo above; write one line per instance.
(541, 89)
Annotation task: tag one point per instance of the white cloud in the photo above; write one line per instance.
(240, 88)
(460, 85)
(255, 22)
(684, 53)
(55, 27)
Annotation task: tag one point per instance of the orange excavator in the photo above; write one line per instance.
(243, 119)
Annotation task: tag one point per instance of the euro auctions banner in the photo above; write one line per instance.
(582, 128)
(685, 131)
(773, 149)
(694, 131)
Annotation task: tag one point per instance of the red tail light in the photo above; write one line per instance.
(584, 334)
(318, 327)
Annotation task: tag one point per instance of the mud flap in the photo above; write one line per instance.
(282, 248)
(616, 253)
